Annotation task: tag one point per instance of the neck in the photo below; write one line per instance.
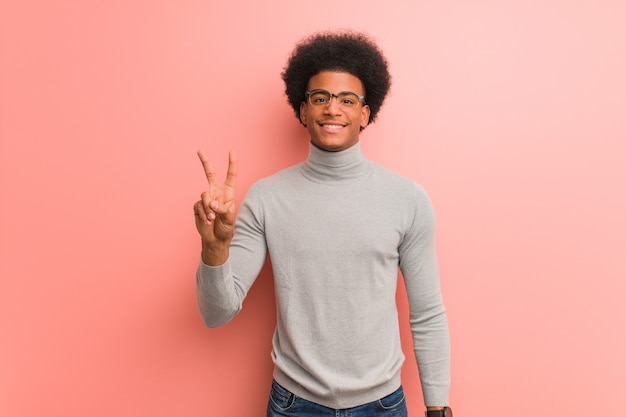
(348, 164)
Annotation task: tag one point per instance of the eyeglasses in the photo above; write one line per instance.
(322, 98)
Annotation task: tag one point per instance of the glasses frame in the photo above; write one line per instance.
(307, 95)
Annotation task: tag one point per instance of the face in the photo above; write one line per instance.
(333, 127)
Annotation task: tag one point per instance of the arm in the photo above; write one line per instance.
(229, 264)
(429, 325)
(221, 289)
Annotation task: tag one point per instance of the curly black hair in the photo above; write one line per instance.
(345, 51)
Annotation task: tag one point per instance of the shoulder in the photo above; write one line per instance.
(282, 180)
(399, 184)
(405, 198)
(279, 179)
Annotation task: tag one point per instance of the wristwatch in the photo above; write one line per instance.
(445, 412)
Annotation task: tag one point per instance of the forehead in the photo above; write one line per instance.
(335, 81)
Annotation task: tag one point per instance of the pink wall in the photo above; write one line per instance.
(510, 113)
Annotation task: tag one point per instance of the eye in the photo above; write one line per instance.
(347, 101)
(319, 98)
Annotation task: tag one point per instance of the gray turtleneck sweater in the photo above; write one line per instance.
(336, 228)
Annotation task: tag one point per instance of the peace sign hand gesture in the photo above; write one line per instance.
(215, 212)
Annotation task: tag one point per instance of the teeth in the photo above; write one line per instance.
(333, 126)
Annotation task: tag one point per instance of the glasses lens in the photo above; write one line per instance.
(348, 99)
(319, 98)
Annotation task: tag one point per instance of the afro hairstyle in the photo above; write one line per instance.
(345, 51)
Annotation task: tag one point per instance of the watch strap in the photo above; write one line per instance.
(444, 412)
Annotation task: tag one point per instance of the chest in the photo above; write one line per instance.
(327, 222)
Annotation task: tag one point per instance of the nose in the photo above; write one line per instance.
(333, 106)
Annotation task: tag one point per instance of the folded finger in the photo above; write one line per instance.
(206, 204)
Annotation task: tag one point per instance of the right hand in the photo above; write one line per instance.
(215, 212)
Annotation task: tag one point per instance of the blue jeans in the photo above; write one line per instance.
(283, 403)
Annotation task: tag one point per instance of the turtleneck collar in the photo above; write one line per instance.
(328, 166)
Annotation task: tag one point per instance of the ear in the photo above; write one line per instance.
(365, 116)
(303, 113)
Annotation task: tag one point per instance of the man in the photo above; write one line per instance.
(336, 227)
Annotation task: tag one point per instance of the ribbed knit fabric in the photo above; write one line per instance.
(337, 227)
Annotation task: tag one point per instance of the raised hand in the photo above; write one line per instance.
(215, 212)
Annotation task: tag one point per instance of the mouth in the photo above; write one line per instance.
(332, 126)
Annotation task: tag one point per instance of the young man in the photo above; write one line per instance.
(336, 227)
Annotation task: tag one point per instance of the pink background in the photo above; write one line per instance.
(510, 113)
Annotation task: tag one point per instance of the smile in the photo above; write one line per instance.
(332, 126)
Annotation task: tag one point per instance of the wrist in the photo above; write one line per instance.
(215, 253)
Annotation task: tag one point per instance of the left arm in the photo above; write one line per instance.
(428, 320)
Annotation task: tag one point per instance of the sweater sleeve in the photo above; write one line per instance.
(220, 290)
(428, 320)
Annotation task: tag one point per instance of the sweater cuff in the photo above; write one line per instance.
(436, 396)
(209, 275)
